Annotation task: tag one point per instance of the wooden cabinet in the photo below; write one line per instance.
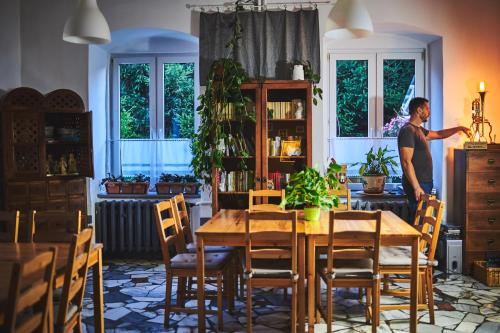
(46, 150)
(477, 202)
(278, 142)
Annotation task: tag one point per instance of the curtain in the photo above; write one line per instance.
(271, 41)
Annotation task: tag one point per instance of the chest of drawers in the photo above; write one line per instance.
(477, 202)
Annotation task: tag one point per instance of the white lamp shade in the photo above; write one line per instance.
(348, 19)
(87, 25)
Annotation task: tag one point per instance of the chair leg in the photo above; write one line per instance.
(386, 282)
(249, 306)
(430, 294)
(181, 291)
(329, 305)
(368, 307)
(219, 301)
(190, 284)
(168, 299)
(318, 298)
(228, 282)
(422, 288)
(293, 315)
(285, 294)
(79, 326)
(376, 305)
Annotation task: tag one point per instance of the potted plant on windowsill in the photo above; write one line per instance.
(309, 190)
(163, 186)
(191, 184)
(140, 184)
(375, 169)
(112, 184)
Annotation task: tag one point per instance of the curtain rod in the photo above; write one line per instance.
(259, 7)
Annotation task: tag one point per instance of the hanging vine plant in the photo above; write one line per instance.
(222, 89)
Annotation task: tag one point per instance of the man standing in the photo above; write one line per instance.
(415, 154)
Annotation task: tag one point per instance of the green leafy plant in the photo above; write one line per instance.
(190, 179)
(111, 178)
(377, 164)
(166, 177)
(140, 178)
(222, 88)
(307, 188)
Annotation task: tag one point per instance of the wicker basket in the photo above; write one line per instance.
(490, 276)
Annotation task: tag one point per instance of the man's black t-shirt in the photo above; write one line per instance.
(412, 136)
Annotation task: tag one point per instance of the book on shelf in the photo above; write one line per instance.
(283, 110)
(235, 181)
(229, 111)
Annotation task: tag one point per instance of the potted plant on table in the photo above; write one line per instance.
(375, 169)
(309, 190)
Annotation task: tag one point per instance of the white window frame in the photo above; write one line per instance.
(156, 102)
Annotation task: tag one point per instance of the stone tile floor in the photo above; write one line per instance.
(134, 293)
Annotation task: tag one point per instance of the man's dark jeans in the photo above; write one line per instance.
(412, 201)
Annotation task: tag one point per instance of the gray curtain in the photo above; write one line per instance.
(271, 41)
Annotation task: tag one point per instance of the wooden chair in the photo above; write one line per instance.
(397, 259)
(344, 194)
(69, 306)
(268, 265)
(266, 207)
(9, 226)
(29, 292)
(55, 226)
(184, 224)
(351, 267)
(183, 264)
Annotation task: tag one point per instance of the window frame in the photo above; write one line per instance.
(156, 102)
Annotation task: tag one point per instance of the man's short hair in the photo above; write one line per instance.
(415, 103)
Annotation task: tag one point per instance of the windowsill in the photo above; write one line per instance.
(149, 195)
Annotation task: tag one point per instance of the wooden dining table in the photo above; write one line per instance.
(16, 252)
(227, 227)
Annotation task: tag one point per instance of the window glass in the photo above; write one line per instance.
(399, 89)
(178, 100)
(134, 101)
(352, 98)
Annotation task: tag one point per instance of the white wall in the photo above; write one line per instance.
(469, 30)
(10, 59)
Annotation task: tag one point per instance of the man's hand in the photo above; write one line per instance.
(465, 130)
(418, 193)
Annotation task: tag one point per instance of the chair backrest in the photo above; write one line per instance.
(429, 224)
(268, 244)
(183, 215)
(33, 299)
(370, 252)
(9, 226)
(421, 209)
(344, 195)
(168, 229)
(55, 226)
(265, 207)
(75, 277)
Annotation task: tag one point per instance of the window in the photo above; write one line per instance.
(153, 114)
(369, 101)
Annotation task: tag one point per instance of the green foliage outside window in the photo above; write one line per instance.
(352, 98)
(179, 100)
(134, 101)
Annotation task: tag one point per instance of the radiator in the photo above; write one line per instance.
(400, 208)
(127, 229)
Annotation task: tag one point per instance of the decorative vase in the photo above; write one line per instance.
(374, 184)
(312, 213)
(298, 72)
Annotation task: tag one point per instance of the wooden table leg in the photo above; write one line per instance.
(311, 275)
(414, 285)
(300, 291)
(98, 293)
(200, 273)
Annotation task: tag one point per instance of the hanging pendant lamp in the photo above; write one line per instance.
(348, 19)
(87, 25)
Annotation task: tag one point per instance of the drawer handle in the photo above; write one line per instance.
(490, 202)
(491, 161)
(491, 181)
(492, 220)
(491, 242)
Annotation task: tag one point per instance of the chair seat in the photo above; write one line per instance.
(344, 268)
(191, 248)
(213, 260)
(270, 268)
(401, 256)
